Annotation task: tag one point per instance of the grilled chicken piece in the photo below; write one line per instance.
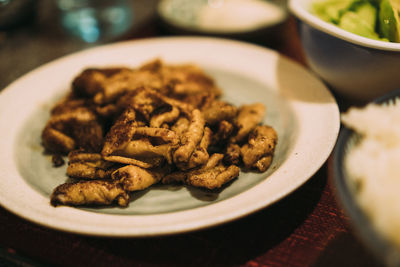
(121, 132)
(143, 148)
(258, 152)
(71, 127)
(224, 131)
(145, 101)
(97, 192)
(200, 155)
(189, 84)
(219, 111)
(232, 154)
(211, 176)
(90, 81)
(180, 126)
(121, 146)
(143, 162)
(134, 178)
(162, 134)
(166, 117)
(180, 176)
(105, 88)
(248, 118)
(83, 165)
(184, 82)
(190, 139)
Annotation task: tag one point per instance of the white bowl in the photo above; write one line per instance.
(354, 66)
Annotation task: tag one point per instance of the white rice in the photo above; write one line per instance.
(375, 164)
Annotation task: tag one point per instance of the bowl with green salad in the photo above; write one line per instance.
(353, 45)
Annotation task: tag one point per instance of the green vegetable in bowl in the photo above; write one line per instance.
(375, 19)
(389, 24)
(361, 21)
(331, 10)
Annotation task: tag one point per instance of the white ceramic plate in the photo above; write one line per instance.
(299, 107)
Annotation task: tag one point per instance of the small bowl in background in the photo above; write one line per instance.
(384, 250)
(248, 20)
(356, 67)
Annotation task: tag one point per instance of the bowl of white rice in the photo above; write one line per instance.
(367, 174)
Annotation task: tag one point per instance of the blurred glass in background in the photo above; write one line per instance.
(95, 20)
(15, 12)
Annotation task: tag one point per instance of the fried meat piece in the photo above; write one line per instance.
(107, 88)
(68, 104)
(160, 133)
(148, 102)
(83, 165)
(134, 178)
(232, 154)
(166, 117)
(89, 82)
(97, 192)
(120, 133)
(72, 127)
(183, 106)
(211, 176)
(190, 138)
(219, 111)
(121, 83)
(141, 151)
(190, 84)
(145, 101)
(214, 178)
(225, 130)
(200, 155)
(180, 81)
(143, 162)
(143, 148)
(180, 126)
(258, 152)
(248, 118)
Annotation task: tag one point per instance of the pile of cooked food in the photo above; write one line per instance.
(126, 129)
(372, 165)
(375, 19)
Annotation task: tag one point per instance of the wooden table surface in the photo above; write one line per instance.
(307, 228)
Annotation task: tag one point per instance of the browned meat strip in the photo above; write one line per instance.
(190, 139)
(211, 176)
(97, 192)
(135, 178)
(219, 111)
(166, 117)
(248, 118)
(90, 81)
(120, 133)
(200, 155)
(84, 165)
(257, 153)
(225, 130)
(232, 154)
(74, 128)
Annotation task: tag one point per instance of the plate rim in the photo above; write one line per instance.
(185, 226)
